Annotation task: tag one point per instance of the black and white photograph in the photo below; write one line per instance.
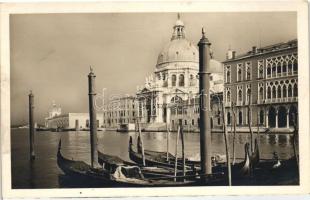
(155, 99)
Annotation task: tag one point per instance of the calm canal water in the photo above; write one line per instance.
(44, 172)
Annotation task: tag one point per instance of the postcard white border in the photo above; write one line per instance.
(300, 7)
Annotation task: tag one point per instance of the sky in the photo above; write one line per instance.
(51, 53)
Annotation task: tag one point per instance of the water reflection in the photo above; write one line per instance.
(44, 172)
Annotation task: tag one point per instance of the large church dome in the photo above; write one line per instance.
(179, 49)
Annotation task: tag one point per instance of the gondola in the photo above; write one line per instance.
(113, 173)
(156, 159)
(147, 171)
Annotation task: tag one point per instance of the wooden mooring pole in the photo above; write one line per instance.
(168, 135)
(250, 124)
(176, 153)
(31, 126)
(204, 94)
(183, 149)
(92, 119)
(234, 137)
(142, 145)
(226, 146)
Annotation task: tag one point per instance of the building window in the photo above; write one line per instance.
(87, 123)
(274, 69)
(274, 92)
(240, 118)
(240, 96)
(269, 93)
(174, 80)
(193, 122)
(248, 70)
(181, 80)
(97, 123)
(228, 96)
(295, 65)
(239, 72)
(284, 91)
(261, 117)
(228, 76)
(279, 91)
(261, 93)
(295, 91)
(185, 122)
(248, 94)
(289, 91)
(228, 118)
(284, 67)
(260, 69)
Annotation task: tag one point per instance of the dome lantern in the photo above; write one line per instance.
(178, 29)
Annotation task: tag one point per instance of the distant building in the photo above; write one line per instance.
(268, 78)
(73, 121)
(120, 110)
(69, 120)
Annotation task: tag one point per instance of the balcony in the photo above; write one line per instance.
(281, 100)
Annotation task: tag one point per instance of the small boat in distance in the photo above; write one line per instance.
(129, 127)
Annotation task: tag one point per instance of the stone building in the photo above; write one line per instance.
(268, 78)
(119, 110)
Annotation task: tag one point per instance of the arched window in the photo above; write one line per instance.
(181, 80)
(284, 91)
(289, 90)
(239, 74)
(274, 69)
(295, 90)
(295, 67)
(269, 93)
(261, 72)
(248, 71)
(274, 92)
(289, 66)
(228, 96)
(279, 68)
(174, 80)
(248, 96)
(279, 91)
(228, 77)
(240, 96)
(284, 67)
(269, 71)
(261, 93)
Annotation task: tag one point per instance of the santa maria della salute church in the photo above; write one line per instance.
(170, 95)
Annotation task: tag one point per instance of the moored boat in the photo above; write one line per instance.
(113, 172)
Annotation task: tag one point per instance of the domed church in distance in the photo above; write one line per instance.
(170, 95)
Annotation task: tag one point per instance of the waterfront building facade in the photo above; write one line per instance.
(119, 110)
(267, 79)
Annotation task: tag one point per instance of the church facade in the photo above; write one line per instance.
(170, 94)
